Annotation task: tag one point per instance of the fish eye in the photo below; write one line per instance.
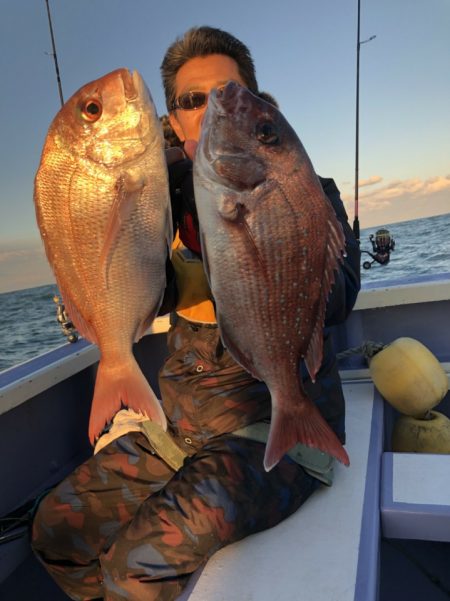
(91, 109)
(267, 133)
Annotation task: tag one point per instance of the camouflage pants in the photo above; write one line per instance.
(125, 526)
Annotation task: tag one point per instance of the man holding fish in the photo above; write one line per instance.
(263, 259)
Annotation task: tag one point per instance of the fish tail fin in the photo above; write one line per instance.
(118, 385)
(306, 426)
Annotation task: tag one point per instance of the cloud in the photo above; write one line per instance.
(411, 187)
(401, 200)
(9, 255)
(375, 179)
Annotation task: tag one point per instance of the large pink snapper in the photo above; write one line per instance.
(103, 209)
(271, 243)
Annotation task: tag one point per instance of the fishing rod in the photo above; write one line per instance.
(55, 57)
(62, 317)
(358, 46)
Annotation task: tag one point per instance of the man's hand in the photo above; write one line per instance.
(174, 154)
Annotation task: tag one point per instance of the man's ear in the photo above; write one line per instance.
(176, 126)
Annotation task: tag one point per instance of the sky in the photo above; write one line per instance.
(305, 55)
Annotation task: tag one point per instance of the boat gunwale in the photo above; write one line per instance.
(24, 381)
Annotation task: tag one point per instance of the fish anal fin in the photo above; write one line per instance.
(305, 425)
(314, 353)
(145, 325)
(118, 385)
(82, 325)
(205, 258)
(129, 187)
(169, 229)
(245, 360)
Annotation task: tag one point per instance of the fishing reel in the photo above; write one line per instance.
(382, 246)
(67, 327)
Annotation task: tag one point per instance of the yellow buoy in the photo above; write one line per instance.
(409, 376)
(413, 435)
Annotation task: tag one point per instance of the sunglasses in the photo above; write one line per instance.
(192, 101)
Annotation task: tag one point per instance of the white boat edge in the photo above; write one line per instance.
(20, 389)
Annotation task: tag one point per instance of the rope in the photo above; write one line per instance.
(368, 349)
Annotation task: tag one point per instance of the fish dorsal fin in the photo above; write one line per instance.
(333, 257)
(129, 188)
(233, 208)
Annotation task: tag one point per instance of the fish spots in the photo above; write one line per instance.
(283, 254)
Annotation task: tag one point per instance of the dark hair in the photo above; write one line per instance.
(203, 41)
(170, 137)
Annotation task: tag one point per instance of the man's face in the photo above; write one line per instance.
(200, 74)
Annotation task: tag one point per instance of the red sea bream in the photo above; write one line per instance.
(103, 209)
(271, 243)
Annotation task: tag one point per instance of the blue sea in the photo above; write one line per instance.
(28, 325)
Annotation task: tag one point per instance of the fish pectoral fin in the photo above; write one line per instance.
(230, 208)
(129, 187)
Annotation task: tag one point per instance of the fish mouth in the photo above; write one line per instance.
(211, 149)
(133, 86)
(130, 82)
(229, 99)
(224, 105)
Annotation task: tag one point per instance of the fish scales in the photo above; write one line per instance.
(103, 209)
(271, 243)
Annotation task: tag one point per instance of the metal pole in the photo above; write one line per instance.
(55, 58)
(358, 46)
(356, 220)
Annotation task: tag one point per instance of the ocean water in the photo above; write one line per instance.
(422, 247)
(28, 325)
